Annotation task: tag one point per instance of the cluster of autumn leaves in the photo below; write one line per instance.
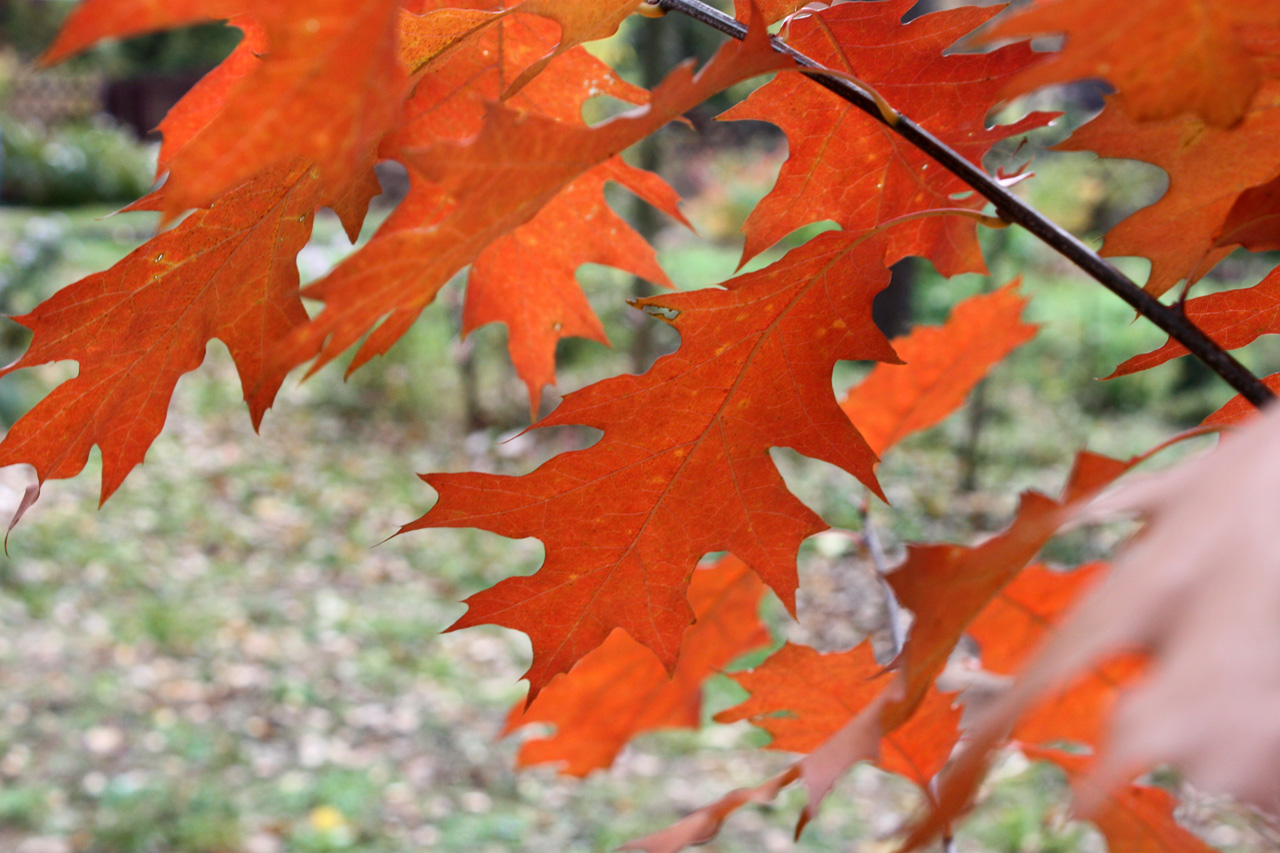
(482, 102)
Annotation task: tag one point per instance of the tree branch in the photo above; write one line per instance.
(1009, 207)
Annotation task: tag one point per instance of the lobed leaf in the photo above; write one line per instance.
(941, 366)
(1167, 57)
(620, 689)
(848, 167)
(683, 467)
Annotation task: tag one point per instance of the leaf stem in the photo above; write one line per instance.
(1009, 207)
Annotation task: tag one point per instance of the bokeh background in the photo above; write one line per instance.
(228, 657)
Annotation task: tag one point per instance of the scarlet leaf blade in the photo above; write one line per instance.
(528, 279)
(94, 20)
(1208, 169)
(202, 103)
(773, 10)
(469, 195)
(621, 689)
(1233, 319)
(1254, 219)
(941, 366)
(1166, 56)
(947, 586)
(846, 166)
(821, 693)
(1134, 818)
(580, 21)
(683, 465)
(226, 273)
(858, 740)
(1014, 626)
(327, 90)
(1198, 592)
(1238, 409)
(818, 692)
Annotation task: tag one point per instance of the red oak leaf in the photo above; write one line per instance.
(1133, 818)
(1208, 170)
(941, 366)
(330, 82)
(1198, 591)
(193, 112)
(1254, 219)
(846, 166)
(470, 195)
(527, 279)
(858, 740)
(94, 20)
(821, 693)
(327, 88)
(580, 21)
(429, 31)
(683, 465)
(947, 586)
(773, 10)
(225, 273)
(1165, 56)
(620, 689)
(1014, 626)
(1233, 318)
(1238, 409)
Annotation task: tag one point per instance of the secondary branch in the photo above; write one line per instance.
(1009, 207)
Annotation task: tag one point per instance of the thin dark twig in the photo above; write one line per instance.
(1009, 207)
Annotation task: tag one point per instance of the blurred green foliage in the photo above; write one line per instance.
(71, 164)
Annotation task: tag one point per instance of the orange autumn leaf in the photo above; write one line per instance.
(528, 279)
(1208, 170)
(429, 31)
(1166, 57)
(846, 166)
(327, 88)
(1254, 219)
(1013, 626)
(580, 21)
(1197, 591)
(202, 103)
(683, 464)
(470, 194)
(802, 697)
(1133, 818)
(94, 20)
(1237, 410)
(773, 10)
(947, 586)
(330, 81)
(941, 365)
(135, 329)
(858, 740)
(621, 690)
(1233, 318)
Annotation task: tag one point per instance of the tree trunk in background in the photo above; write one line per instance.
(658, 46)
(892, 309)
